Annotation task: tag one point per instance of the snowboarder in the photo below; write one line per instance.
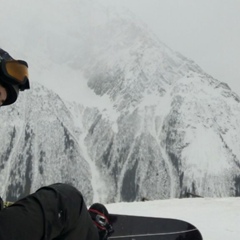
(13, 78)
(58, 212)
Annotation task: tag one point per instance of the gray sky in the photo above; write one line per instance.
(206, 31)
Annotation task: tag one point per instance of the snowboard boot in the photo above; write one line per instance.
(100, 216)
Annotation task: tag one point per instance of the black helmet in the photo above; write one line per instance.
(13, 76)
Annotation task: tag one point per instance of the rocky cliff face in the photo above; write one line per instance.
(39, 145)
(166, 127)
(183, 141)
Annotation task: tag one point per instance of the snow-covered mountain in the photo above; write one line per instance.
(146, 121)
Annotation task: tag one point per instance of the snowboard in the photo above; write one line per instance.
(128, 227)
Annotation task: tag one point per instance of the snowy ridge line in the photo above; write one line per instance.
(154, 234)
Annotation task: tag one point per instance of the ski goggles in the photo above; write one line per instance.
(15, 72)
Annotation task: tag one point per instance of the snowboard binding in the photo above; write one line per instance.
(100, 217)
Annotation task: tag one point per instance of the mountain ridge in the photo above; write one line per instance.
(148, 123)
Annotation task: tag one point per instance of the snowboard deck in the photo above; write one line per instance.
(128, 227)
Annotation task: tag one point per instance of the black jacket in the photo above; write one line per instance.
(54, 212)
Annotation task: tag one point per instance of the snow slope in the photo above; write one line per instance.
(216, 218)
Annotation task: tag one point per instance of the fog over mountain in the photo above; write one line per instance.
(113, 110)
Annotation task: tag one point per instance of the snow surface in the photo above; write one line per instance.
(216, 218)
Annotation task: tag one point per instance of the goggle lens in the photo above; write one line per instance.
(16, 70)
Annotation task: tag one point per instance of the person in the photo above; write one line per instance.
(58, 212)
(13, 78)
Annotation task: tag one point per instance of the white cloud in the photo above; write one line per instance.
(206, 31)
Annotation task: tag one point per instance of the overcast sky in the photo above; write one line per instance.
(206, 31)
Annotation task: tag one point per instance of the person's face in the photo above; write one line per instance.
(3, 95)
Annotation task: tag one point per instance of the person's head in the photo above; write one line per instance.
(100, 217)
(13, 78)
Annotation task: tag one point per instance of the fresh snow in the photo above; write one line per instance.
(216, 218)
